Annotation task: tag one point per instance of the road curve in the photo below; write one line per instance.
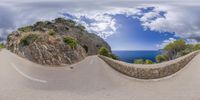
(90, 79)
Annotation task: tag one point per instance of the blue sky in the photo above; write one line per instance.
(132, 36)
(124, 24)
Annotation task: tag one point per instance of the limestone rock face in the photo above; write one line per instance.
(58, 42)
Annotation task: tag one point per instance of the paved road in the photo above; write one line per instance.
(90, 79)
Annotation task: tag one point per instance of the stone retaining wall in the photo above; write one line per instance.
(150, 71)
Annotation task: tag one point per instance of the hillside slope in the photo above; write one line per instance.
(54, 42)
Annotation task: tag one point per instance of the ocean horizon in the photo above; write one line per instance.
(129, 56)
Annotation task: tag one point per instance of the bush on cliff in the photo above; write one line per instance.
(52, 33)
(147, 61)
(28, 39)
(70, 41)
(64, 21)
(177, 49)
(161, 58)
(197, 47)
(104, 51)
(172, 49)
(26, 29)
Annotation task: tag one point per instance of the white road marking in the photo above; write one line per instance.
(28, 77)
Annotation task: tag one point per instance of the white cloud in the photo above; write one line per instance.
(191, 41)
(181, 20)
(170, 40)
(103, 25)
(165, 42)
(102, 22)
(149, 16)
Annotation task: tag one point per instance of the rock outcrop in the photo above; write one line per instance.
(54, 43)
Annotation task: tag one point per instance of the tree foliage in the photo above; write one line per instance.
(161, 58)
(65, 21)
(173, 48)
(2, 46)
(147, 61)
(104, 51)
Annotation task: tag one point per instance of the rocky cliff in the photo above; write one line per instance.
(54, 42)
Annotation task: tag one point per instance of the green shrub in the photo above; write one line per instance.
(51, 33)
(26, 29)
(28, 39)
(138, 61)
(113, 56)
(65, 21)
(40, 26)
(104, 51)
(70, 41)
(197, 47)
(173, 48)
(147, 61)
(161, 58)
(2, 46)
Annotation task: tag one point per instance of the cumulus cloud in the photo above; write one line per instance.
(191, 41)
(170, 40)
(7, 22)
(181, 20)
(101, 24)
(165, 42)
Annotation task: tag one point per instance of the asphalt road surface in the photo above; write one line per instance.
(90, 79)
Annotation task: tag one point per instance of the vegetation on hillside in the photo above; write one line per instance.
(25, 41)
(61, 27)
(2, 46)
(162, 58)
(172, 51)
(176, 49)
(147, 61)
(105, 52)
(142, 61)
(45, 25)
(70, 41)
(138, 61)
(52, 33)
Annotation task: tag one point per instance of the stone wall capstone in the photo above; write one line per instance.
(150, 71)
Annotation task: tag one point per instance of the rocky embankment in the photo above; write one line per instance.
(54, 42)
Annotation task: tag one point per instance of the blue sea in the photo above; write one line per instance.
(130, 56)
